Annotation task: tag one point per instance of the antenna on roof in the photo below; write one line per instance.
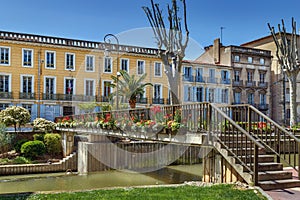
(222, 33)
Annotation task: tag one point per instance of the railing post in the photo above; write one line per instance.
(249, 120)
(209, 117)
(298, 160)
(255, 170)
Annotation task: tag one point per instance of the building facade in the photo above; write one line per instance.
(51, 76)
(202, 82)
(280, 92)
(250, 73)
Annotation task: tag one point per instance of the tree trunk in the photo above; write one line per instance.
(293, 105)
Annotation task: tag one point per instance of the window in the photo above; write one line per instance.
(140, 67)
(224, 96)
(50, 59)
(250, 98)
(212, 76)
(211, 95)
(70, 61)
(106, 89)
(4, 55)
(199, 94)
(27, 58)
(89, 63)
(69, 86)
(157, 91)
(125, 64)
(250, 59)
(262, 99)
(225, 77)
(261, 61)
(157, 69)
(89, 88)
(237, 76)
(49, 85)
(107, 65)
(4, 83)
(199, 75)
(237, 97)
(236, 58)
(262, 77)
(187, 73)
(249, 76)
(27, 84)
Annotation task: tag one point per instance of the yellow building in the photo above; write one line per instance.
(50, 76)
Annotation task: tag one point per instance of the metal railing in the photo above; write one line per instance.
(26, 95)
(6, 95)
(277, 140)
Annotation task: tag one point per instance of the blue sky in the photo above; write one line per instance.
(92, 19)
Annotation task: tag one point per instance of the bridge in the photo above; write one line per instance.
(238, 142)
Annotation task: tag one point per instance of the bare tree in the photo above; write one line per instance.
(170, 41)
(288, 57)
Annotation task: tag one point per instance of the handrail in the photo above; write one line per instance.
(238, 127)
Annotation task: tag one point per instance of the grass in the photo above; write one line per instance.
(215, 192)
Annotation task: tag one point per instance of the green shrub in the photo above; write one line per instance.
(4, 161)
(39, 136)
(21, 160)
(19, 144)
(33, 149)
(53, 143)
(5, 139)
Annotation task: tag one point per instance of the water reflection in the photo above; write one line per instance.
(62, 182)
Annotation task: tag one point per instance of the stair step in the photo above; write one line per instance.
(247, 151)
(279, 184)
(272, 166)
(274, 175)
(261, 158)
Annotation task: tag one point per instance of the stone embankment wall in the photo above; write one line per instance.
(68, 164)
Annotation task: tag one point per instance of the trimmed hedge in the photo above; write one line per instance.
(33, 149)
(53, 143)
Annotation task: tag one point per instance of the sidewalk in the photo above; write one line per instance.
(286, 194)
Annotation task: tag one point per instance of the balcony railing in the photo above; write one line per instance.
(237, 83)
(26, 95)
(198, 79)
(188, 78)
(225, 81)
(211, 80)
(158, 100)
(250, 83)
(262, 84)
(6, 95)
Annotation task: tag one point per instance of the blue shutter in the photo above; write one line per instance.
(56, 112)
(185, 91)
(207, 94)
(33, 112)
(42, 111)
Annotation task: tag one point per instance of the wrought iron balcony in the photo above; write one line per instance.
(26, 95)
(250, 83)
(158, 100)
(211, 80)
(262, 84)
(199, 79)
(237, 83)
(6, 95)
(188, 78)
(262, 106)
(225, 81)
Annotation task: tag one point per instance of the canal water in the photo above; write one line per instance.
(113, 178)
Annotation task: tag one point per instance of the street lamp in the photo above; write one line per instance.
(118, 75)
(109, 47)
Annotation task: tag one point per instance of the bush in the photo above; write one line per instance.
(39, 136)
(53, 143)
(33, 149)
(44, 125)
(21, 160)
(5, 139)
(19, 144)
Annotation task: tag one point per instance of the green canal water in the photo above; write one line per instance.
(114, 178)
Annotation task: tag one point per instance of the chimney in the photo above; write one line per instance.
(216, 50)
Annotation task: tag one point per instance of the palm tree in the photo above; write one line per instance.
(129, 87)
